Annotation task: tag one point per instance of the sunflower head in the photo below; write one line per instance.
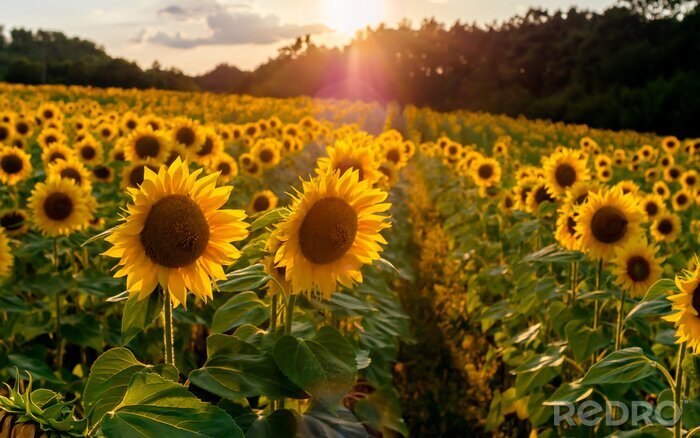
(143, 143)
(564, 169)
(566, 230)
(59, 206)
(348, 154)
(74, 170)
(686, 307)
(14, 221)
(226, 166)
(682, 200)
(332, 230)
(89, 151)
(15, 165)
(636, 266)
(6, 259)
(262, 202)
(486, 171)
(607, 221)
(653, 205)
(174, 234)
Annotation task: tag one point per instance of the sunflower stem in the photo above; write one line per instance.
(620, 320)
(574, 281)
(168, 329)
(598, 284)
(678, 393)
(57, 304)
(289, 315)
(273, 314)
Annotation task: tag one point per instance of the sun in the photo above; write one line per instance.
(351, 15)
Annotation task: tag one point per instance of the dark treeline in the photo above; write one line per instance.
(627, 67)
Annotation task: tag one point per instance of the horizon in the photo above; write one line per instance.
(195, 37)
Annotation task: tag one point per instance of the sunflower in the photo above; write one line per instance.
(14, 165)
(682, 200)
(332, 230)
(129, 122)
(6, 259)
(7, 131)
(71, 169)
(653, 205)
(486, 172)
(660, 188)
(390, 175)
(564, 169)
(350, 154)
(175, 235)
(538, 196)
(266, 153)
(187, 133)
(89, 151)
(144, 143)
(673, 173)
(107, 131)
(56, 152)
(670, 144)
(607, 221)
(508, 202)
(133, 174)
(212, 147)
(59, 206)
(522, 191)
(394, 153)
(246, 160)
(566, 230)
(262, 202)
(666, 227)
(578, 193)
(103, 174)
(48, 112)
(14, 221)
(685, 314)
(651, 175)
(636, 266)
(604, 174)
(602, 162)
(156, 123)
(49, 136)
(690, 180)
(226, 166)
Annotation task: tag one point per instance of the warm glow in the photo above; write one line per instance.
(352, 15)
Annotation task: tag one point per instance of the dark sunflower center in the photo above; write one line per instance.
(541, 195)
(565, 175)
(101, 172)
(206, 147)
(55, 156)
(185, 136)
(266, 155)
(175, 232)
(696, 299)
(571, 225)
(147, 146)
(88, 152)
(638, 268)
(71, 173)
(509, 202)
(665, 227)
(485, 171)
(136, 176)
(22, 128)
(58, 206)
(224, 168)
(674, 173)
(12, 221)
(253, 169)
(51, 139)
(651, 208)
(261, 203)
(452, 150)
(328, 230)
(11, 164)
(119, 156)
(48, 114)
(154, 126)
(581, 199)
(609, 225)
(393, 155)
(131, 124)
(690, 180)
(523, 195)
(246, 161)
(682, 199)
(350, 164)
(4, 133)
(106, 133)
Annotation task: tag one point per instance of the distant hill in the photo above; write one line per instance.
(634, 67)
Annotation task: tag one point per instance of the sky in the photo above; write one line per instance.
(197, 35)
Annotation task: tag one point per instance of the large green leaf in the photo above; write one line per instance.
(654, 302)
(139, 314)
(623, 366)
(249, 278)
(235, 369)
(154, 406)
(569, 393)
(109, 377)
(243, 308)
(324, 366)
(584, 340)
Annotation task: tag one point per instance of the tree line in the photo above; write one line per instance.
(632, 66)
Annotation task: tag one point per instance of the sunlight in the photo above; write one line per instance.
(351, 15)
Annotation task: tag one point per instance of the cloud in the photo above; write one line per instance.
(228, 27)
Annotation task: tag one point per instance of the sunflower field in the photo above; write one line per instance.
(226, 266)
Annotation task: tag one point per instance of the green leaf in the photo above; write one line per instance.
(584, 340)
(623, 366)
(243, 308)
(154, 406)
(139, 314)
(569, 393)
(109, 377)
(236, 369)
(691, 366)
(280, 424)
(655, 302)
(550, 358)
(249, 278)
(382, 411)
(691, 413)
(552, 254)
(324, 366)
(83, 329)
(266, 219)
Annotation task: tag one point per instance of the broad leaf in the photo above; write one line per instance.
(584, 340)
(243, 308)
(623, 366)
(139, 314)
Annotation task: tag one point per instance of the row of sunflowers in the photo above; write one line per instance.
(236, 266)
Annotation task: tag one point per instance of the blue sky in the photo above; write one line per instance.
(196, 35)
